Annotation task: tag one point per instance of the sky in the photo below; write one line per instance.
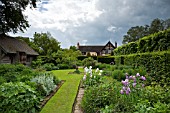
(92, 22)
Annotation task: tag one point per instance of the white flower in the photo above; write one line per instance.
(97, 70)
(101, 71)
(91, 75)
(84, 77)
(90, 67)
(86, 70)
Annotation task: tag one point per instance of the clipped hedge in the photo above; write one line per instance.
(156, 42)
(102, 59)
(106, 60)
(156, 63)
(83, 57)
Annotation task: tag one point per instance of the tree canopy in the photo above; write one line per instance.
(44, 43)
(137, 32)
(11, 13)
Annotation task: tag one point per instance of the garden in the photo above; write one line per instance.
(137, 81)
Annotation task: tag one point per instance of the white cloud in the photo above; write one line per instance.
(92, 21)
(61, 14)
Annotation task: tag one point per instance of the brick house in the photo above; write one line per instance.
(13, 50)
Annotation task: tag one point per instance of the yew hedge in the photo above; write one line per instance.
(156, 63)
(156, 42)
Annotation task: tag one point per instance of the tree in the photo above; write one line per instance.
(12, 18)
(45, 44)
(156, 26)
(135, 33)
(73, 48)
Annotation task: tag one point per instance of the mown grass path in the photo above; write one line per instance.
(63, 100)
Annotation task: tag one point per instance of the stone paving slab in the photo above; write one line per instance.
(77, 108)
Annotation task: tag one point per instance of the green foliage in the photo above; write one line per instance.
(137, 32)
(89, 62)
(155, 42)
(14, 73)
(156, 64)
(45, 83)
(45, 43)
(107, 60)
(97, 97)
(118, 75)
(12, 19)
(18, 97)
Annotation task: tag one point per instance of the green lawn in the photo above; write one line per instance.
(63, 100)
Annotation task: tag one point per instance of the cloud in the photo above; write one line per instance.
(92, 21)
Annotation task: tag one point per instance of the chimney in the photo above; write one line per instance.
(78, 45)
(115, 44)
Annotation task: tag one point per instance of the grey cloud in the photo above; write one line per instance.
(122, 14)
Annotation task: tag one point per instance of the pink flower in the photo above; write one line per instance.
(142, 78)
(143, 85)
(127, 92)
(134, 84)
(121, 91)
(137, 74)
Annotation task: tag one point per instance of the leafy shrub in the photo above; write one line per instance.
(45, 83)
(64, 66)
(97, 97)
(89, 62)
(18, 97)
(14, 73)
(118, 75)
(106, 60)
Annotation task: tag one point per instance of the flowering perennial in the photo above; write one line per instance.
(131, 82)
(90, 72)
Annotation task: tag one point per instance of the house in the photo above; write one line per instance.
(97, 50)
(13, 50)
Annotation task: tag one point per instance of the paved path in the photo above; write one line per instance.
(77, 108)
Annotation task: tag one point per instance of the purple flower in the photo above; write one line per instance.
(126, 82)
(142, 78)
(131, 77)
(124, 88)
(143, 85)
(137, 74)
(126, 75)
(128, 89)
(121, 91)
(127, 92)
(134, 84)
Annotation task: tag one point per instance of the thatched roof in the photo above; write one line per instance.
(14, 45)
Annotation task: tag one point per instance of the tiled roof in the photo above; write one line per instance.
(91, 48)
(14, 45)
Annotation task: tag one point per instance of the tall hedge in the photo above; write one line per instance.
(156, 63)
(156, 42)
(107, 60)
